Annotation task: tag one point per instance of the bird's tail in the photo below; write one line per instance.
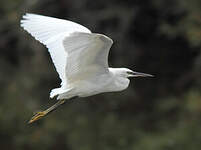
(61, 93)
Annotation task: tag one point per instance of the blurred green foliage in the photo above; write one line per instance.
(159, 37)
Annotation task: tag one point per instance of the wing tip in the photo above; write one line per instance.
(105, 38)
(24, 19)
(29, 16)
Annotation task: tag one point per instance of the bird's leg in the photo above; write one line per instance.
(41, 114)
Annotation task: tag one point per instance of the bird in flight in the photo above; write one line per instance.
(80, 58)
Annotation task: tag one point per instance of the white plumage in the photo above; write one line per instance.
(80, 57)
(51, 32)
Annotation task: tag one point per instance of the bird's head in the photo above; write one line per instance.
(127, 73)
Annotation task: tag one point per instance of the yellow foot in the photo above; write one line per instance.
(37, 116)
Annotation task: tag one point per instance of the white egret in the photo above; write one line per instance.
(80, 58)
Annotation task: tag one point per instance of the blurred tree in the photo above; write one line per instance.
(159, 37)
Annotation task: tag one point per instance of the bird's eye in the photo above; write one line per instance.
(129, 72)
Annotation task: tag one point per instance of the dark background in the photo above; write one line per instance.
(160, 37)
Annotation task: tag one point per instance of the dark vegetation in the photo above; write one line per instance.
(159, 37)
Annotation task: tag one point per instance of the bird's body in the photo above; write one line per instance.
(80, 57)
(101, 83)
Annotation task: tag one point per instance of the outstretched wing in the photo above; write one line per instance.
(87, 55)
(51, 32)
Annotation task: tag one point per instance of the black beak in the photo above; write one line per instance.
(139, 74)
